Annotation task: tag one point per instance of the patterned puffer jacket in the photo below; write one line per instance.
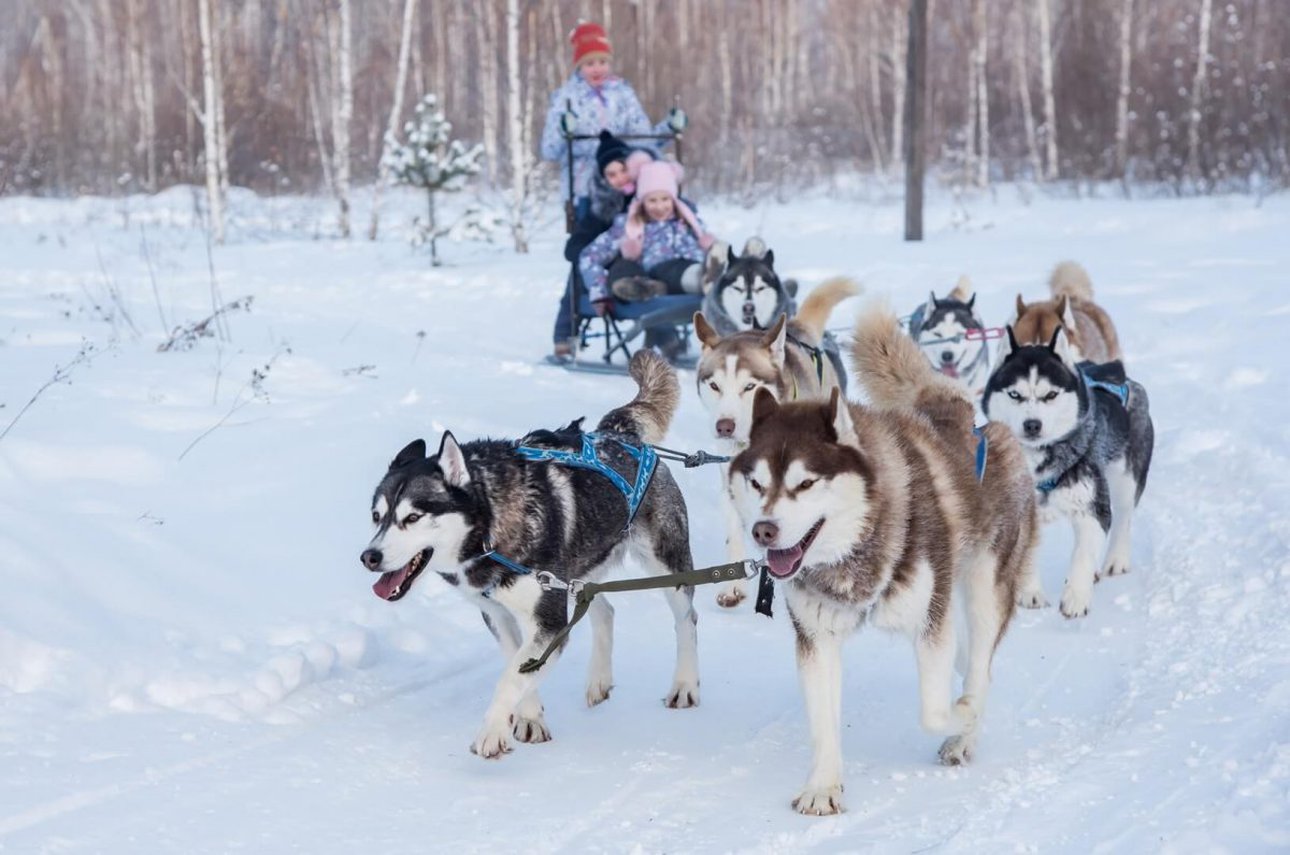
(613, 107)
(663, 241)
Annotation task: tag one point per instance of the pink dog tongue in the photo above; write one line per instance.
(389, 583)
(782, 561)
(949, 371)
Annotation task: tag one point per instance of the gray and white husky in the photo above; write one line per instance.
(745, 291)
(876, 514)
(1087, 434)
(472, 512)
(952, 337)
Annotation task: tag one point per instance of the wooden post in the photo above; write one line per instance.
(915, 108)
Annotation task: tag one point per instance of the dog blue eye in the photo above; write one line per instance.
(750, 387)
(1016, 396)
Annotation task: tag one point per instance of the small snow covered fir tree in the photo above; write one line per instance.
(431, 161)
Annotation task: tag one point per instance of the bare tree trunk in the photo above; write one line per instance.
(969, 126)
(214, 193)
(915, 107)
(396, 110)
(518, 118)
(1197, 92)
(1021, 64)
(898, 36)
(342, 108)
(979, 23)
(1122, 102)
(221, 135)
(875, 87)
(1046, 72)
(486, 34)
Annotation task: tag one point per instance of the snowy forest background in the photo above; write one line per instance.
(108, 96)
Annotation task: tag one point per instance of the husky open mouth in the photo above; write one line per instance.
(783, 563)
(394, 584)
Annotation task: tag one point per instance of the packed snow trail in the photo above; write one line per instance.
(191, 658)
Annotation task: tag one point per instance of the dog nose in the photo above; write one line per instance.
(947, 356)
(765, 532)
(725, 427)
(371, 558)
(1032, 427)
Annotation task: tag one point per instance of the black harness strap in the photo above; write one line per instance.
(587, 591)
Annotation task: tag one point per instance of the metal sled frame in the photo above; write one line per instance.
(628, 321)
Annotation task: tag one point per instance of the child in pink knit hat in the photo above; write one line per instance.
(656, 247)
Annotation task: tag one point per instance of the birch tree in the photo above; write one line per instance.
(1021, 69)
(1122, 100)
(1197, 93)
(342, 107)
(214, 192)
(1046, 77)
(396, 110)
(517, 111)
(982, 94)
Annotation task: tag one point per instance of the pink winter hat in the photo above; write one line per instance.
(659, 176)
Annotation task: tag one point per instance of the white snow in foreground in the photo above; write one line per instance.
(192, 659)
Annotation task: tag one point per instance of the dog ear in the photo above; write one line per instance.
(411, 453)
(703, 330)
(1061, 346)
(931, 305)
(839, 415)
(774, 340)
(1021, 306)
(1067, 312)
(769, 258)
(1010, 346)
(971, 302)
(730, 256)
(764, 406)
(452, 462)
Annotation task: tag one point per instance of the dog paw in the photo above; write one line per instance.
(819, 801)
(1112, 568)
(731, 595)
(493, 742)
(531, 730)
(683, 696)
(1076, 601)
(598, 691)
(1032, 599)
(957, 750)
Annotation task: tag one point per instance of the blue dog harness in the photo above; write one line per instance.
(645, 457)
(1121, 393)
(646, 461)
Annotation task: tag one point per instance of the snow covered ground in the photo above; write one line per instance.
(192, 660)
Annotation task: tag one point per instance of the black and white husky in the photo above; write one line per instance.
(1087, 433)
(953, 337)
(746, 292)
(487, 516)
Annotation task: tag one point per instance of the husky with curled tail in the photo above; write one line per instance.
(486, 516)
(1091, 333)
(878, 514)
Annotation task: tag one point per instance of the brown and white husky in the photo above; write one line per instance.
(876, 514)
(787, 360)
